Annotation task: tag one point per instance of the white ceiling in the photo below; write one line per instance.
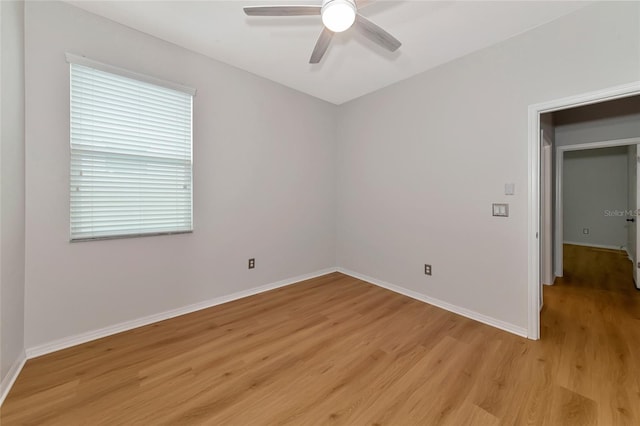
(432, 33)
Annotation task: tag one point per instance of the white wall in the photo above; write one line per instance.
(594, 187)
(12, 166)
(420, 162)
(264, 184)
(618, 119)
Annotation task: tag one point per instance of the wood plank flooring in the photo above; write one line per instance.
(336, 350)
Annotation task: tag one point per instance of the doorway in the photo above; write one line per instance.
(537, 224)
(606, 173)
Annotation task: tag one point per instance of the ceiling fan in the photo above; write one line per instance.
(337, 16)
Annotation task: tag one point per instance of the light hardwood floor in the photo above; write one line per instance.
(335, 350)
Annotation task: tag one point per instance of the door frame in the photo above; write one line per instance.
(559, 215)
(534, 217)
(546, 218)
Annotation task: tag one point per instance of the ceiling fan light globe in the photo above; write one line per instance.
(338, 15)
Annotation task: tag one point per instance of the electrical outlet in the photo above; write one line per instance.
(427, 269)
(585, 231)
(252, 263)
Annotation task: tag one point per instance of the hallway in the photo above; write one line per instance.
(590, 327)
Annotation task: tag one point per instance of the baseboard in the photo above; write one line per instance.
(12, 375)
(603, 246)
(633, 262)
(520, 331)
(626, 249)
(88, 336)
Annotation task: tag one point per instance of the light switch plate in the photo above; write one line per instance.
(509, 188)
(500, 209)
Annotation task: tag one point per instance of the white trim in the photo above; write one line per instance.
(602, 246)
(533, 224)
(84, 61)
(558, 238)
(559, 213)
(88, 336)
(12, 375)
(601, 144)
(1, 126)
(520, 331)
(546, 220)
(535, 110)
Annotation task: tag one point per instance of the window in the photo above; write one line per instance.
(131, 164)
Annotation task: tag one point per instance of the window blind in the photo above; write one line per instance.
(131, 161)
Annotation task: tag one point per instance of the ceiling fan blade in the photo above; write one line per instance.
(360, 4)
(321, 45)
(376, 34)
(282, 10)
